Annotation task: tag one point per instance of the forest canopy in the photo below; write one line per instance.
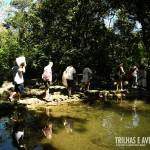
(76, 31)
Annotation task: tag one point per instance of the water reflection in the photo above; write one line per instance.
(130, 118)
(68, 125)
(108, 125)
(134, 122)
(4, 125)
(135, 118)
(55, 127)
(18, 123)
(18, 135)
(47, 131)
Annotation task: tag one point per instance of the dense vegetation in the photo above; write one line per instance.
(75, 30)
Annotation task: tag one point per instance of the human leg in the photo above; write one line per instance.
(11, 98)
(135, 81)
(121, 85)
(20, 90)
(47, 92)
(69, 90)
(117, 79)
(16, 89)
(82, 86)
(117, 86)
(47, 86)
(70, 84)
(88, 85)
(19, 96)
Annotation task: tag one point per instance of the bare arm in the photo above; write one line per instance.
(22, 69)
(122, 70)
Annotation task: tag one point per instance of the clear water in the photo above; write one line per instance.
(80, 125)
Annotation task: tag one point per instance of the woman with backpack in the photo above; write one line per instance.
(47, 78)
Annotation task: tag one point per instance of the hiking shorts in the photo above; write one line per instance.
(19, 88)
(47, 83)
(70, 83)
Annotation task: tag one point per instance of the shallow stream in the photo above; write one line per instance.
(96, 125)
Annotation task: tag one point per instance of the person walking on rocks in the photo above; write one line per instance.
(135, 76)
(142, 77)
(47, 78)
(18, 79)
(118, 77)
(87, 75)
(70, 74)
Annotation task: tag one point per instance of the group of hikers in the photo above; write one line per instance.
(68, 78)
(136, 77)
(69, 75)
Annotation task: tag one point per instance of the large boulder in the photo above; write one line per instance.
(6, 88)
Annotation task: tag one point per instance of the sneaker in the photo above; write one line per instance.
(11, 99)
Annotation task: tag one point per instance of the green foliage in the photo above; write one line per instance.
(64, 31)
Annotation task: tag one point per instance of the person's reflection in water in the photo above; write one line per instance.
(107, 124)
(135, 118)
(68, 125)
(47, 130)
(134, 121)
(18, 135)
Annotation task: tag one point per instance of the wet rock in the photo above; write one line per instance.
(6, 88)
(33, 91)
(31, 101)
(33, 95)
(7, 85)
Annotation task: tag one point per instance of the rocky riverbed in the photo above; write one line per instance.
(34, 95)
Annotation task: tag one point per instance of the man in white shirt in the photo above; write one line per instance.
(70, 73)
(18, 80)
